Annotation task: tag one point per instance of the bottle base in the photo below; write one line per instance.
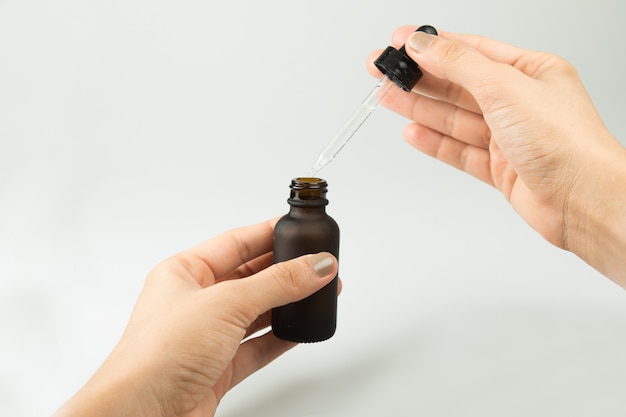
(307, 337)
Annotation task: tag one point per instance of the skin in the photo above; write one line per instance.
(522, 122)
(182, 349)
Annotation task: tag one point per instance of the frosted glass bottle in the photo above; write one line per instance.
(307, 229)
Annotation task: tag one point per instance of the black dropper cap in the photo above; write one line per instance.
(397, 65)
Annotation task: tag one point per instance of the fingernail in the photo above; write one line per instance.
(322, 263)
(419, 41)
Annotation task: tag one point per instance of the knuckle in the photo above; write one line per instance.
(452, 52)
(564, 66)
(240, 243)
(453, 93)
(287, 275)
(451, 122)
(547, 63)
(176, 265)
(186, 265)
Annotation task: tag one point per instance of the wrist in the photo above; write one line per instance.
(111, 392)
(595, 215)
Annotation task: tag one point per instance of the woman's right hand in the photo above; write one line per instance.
(522, 122)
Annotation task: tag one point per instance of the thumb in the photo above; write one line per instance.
(288, 282)
(462, 64)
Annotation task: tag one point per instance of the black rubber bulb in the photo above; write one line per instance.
(428, 29)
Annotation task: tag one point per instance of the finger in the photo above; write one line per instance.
(432, 86)
(523, 59)
(495, 50)
(280, 284)
(369, 63)
(249, 268)
(255, 353)
(444, 90)
(436, 87)
(464, 65)
(448, 119)
(471, 159)
(264, 320)
(225, 253)
(400, 35)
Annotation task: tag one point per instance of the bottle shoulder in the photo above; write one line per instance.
(306, 216)
(319, 222)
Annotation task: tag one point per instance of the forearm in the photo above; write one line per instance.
(596, 215)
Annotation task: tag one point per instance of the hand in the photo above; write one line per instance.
(522, 122)
(182, 349)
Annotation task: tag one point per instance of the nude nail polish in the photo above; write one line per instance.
(322, 264)
(419, 41)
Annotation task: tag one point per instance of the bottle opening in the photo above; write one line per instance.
(302, 183)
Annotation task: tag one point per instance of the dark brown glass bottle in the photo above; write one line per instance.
(307, 229)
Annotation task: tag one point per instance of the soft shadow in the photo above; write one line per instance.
(513, 360)
(303, 396)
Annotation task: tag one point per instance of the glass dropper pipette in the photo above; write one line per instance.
(398, 69)
(352, 125)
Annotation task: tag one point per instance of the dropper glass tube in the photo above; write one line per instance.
(366, 108)
(398, 69)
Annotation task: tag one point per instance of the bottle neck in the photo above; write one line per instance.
(308, 192)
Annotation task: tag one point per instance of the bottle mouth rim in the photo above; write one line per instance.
(304, 183)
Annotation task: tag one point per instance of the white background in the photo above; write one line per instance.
(133, 129)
